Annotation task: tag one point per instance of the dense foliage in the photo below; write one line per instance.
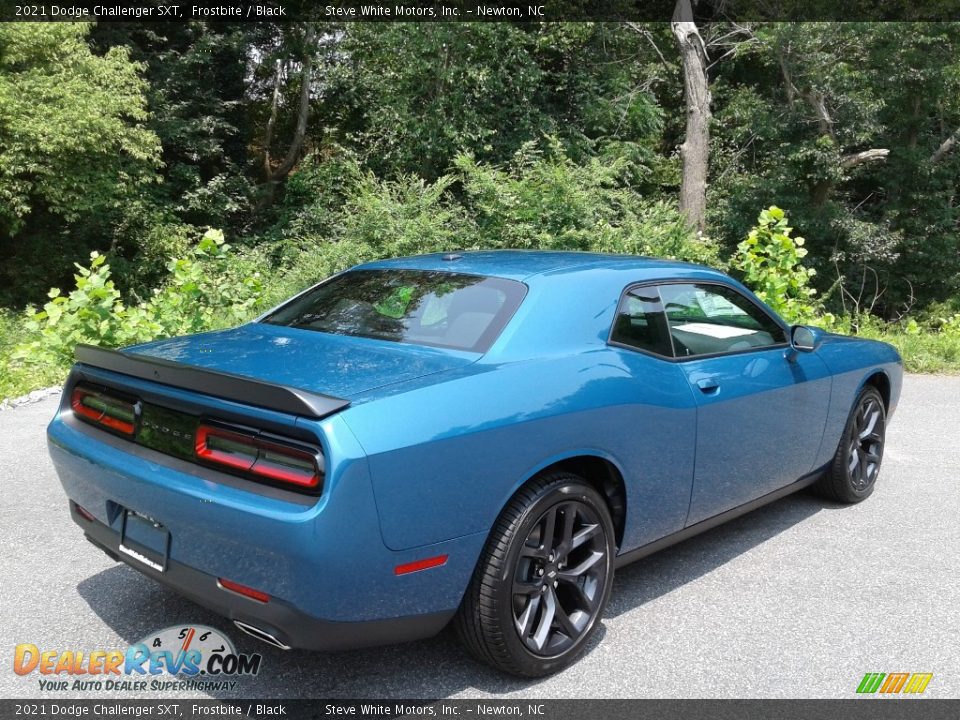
(74, 148)
(315, 147)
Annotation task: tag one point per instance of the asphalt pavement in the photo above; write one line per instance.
(796, 600)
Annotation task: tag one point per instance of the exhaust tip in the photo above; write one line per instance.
(260, 634)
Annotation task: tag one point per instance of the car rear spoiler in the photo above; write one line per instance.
(212, 382)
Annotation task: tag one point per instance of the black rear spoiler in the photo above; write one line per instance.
(212, 382)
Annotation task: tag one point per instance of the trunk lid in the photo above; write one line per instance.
(337, 365)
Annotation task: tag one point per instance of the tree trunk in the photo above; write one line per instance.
(274, 108)
(278, 173)
(695, 150)
(945, 147)
(848, 162)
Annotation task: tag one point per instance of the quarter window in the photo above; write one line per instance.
(711, 319)
(640, 322)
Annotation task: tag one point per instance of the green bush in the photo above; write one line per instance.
(16, 378)
(376, 219)
(314, 196)
(402, 217)
(771, 263)
(206, 290)
(541, 200)
(9, 326)
(923, 351)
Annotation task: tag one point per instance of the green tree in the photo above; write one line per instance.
(845, 125)
(429, 91)
(421, 94)
(195, 83)
(73, 145)
(72, 139)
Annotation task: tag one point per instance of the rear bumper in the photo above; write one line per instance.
(292, 628)
(331, 579)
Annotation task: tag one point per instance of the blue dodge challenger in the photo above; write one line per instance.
(474, 438)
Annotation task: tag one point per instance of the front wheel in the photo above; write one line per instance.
(853, 473)
(543, 579)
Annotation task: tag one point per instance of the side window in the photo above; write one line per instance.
(710, 319)
(640, 322)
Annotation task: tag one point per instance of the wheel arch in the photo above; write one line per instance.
(599, 471)
(881, 382)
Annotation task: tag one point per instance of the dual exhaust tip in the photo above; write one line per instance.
(260, 634)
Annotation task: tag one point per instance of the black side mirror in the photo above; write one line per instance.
(803, 339)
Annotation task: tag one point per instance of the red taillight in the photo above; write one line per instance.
(418, 565)
(103, 409)
(226, 448)
(258, 457)
(243, 590)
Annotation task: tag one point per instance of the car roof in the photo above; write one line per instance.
(524, 264)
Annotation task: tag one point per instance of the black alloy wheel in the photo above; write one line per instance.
(543, 579)
(853, 473)
(866, 443)
(559, 577)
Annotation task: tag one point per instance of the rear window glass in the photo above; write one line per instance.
(442, 309)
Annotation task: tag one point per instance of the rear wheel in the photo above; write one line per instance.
(853, 473)
(543, 579)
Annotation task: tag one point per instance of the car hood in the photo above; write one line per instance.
(336, 365)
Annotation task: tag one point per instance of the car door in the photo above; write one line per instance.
(656, 415)
(761, 407)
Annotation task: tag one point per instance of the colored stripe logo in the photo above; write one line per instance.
(894, 683)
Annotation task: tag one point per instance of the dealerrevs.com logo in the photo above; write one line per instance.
(182, 657)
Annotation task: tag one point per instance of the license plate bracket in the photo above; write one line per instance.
(145, 540)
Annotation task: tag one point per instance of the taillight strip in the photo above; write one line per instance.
(207, 438)
(103, 409)
(253, 455)
(249, 454)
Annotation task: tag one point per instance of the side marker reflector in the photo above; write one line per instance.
(243, 590)
(418, 565)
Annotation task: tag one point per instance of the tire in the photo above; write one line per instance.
(534, 601)
(852, 474)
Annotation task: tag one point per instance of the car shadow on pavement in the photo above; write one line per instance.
(660, 573)
(133, 605)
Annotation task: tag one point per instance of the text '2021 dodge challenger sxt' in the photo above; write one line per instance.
(477, 438)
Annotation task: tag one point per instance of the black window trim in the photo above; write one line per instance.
(688, 358)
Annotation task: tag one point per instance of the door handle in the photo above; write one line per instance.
(708, 386)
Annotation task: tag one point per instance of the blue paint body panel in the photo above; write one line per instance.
(435, 442)
(748, 443)
(329, 364)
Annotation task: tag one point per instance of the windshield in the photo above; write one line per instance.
(442, 309)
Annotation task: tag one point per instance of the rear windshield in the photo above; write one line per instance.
(442, 309)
